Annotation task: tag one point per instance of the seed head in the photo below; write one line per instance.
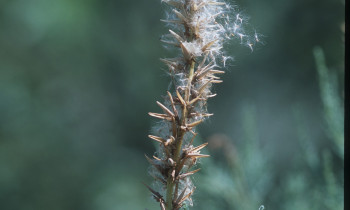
(198, 30)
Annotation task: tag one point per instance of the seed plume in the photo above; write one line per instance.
(199, 30)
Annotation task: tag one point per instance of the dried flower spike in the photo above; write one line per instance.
(199, 30)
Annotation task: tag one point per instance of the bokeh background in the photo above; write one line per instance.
(77, 79)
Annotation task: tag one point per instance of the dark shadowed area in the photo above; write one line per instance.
(77, 79)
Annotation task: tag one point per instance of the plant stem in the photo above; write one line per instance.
(169, 193)
(179, 139)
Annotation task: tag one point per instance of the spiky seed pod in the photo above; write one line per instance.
(199, 30)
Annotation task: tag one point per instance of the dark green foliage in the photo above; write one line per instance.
(77, 79)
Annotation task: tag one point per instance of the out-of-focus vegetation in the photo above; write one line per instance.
(77, 79)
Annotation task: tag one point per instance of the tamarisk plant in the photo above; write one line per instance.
(199, 30)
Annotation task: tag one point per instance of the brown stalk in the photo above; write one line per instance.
(180, 135)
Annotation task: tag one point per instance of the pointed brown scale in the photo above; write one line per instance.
(157, 114)
(180, 98)
(179, 198)
(187, 55)
(216, 72)
(151, 161)
(174, 117)
(205, 69)
(160, 169)
(176, 36)
(213, 77)
(204, 72)
(172, 104)
(209, 65)
(212, 95)
(191, 125)
(197, 148)
(208, 45)
(216, 81)
(195, 99)
(216, 3)
(194, 114)
(156, 138)
(166, 110)
(187, 196)
(156, 194)
(180, 16)
(180, 166)
(201, 115)
(158, 178)
(182, 176)
(197, 155)
(160, 116)
(207, 115)
(200, 90)
(157, 158)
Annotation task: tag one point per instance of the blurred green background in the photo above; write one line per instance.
(77, 79)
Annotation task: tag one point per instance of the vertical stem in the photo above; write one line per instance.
(179, 140)
(169, 192)
(184, 113)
